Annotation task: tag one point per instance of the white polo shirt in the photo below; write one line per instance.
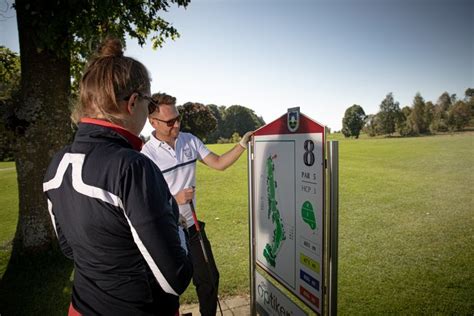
(178, 165)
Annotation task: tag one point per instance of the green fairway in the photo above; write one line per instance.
(406, 224)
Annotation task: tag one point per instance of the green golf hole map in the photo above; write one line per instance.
(271, 249)
(276, 217)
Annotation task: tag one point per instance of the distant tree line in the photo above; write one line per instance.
(218, 124)
(423, 117)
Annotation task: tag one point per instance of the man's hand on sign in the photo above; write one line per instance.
(245, 139)
(184, 196)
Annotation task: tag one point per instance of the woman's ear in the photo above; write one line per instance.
(131, 103)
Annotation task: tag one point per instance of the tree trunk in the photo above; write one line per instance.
(44, 107)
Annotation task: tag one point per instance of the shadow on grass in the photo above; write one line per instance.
(37, 285)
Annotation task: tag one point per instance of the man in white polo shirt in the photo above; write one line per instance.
(176, 154)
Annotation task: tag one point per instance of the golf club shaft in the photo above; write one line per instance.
(198, 230)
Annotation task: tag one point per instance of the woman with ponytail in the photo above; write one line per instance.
(109, 204)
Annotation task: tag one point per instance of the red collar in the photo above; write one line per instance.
(135, 141)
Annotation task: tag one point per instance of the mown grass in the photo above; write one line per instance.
(406, 225)
(8, 210)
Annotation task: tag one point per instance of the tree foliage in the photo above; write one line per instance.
(372, 125)
(353, 121)
(417, 120)
(219, 114)
(197, 118)
(469, 99)
(429, 115)
(459, 115)
(469, 93)
(402, 125)
(56, 37)
(448, 114)
(234, 119)
(445, 101)
(9, 86)
(239, 119)
(388, 114)
(9, 73)
(76, 28)
(218, 124)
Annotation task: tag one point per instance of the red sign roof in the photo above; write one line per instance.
(280, 126)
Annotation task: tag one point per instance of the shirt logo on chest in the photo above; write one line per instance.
(187, 152)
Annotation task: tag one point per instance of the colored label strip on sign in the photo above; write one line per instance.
(309, 296)
(310, 263)
(310, 280)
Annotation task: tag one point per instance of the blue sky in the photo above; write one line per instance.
(321, 55)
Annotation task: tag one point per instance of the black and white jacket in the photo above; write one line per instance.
(115, 217)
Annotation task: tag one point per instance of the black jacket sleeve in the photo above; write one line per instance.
(63, 244)
(153, 218)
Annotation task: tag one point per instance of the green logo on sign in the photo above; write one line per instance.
(307, 213)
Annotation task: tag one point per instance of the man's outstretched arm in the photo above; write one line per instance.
(221, 162)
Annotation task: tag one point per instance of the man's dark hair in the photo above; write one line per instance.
(163, 98)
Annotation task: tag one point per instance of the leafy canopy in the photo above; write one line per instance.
(85, 23)
(353, 121)
(196, 118)
(9, 73)
(388, 114)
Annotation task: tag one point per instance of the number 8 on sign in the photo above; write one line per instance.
(308, 156)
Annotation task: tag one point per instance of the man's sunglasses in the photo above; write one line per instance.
(169, 123)
(152, 105)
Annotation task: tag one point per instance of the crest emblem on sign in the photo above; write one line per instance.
(293, 119)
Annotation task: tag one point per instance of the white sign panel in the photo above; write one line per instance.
(288, 211)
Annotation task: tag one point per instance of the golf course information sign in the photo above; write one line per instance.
(287, 202)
